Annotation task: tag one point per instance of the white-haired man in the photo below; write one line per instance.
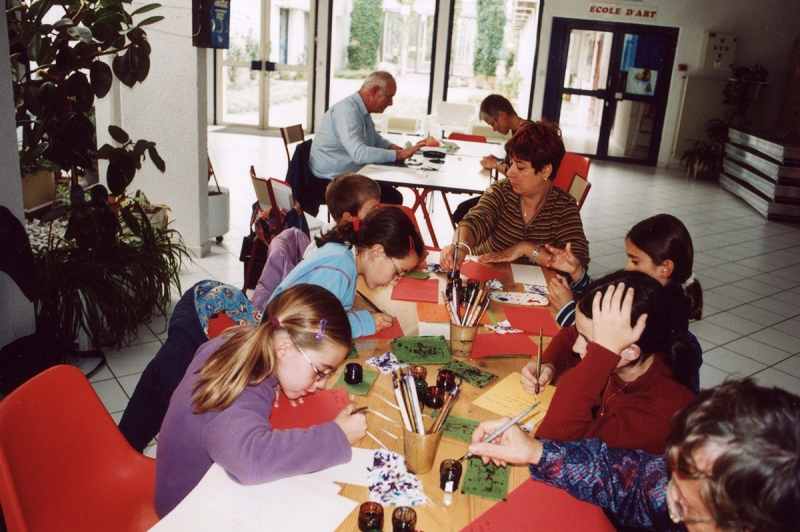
(346, 138)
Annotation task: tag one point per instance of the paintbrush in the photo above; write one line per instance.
(400, 403)
(539, 360)
(505, 427)
(370, 303)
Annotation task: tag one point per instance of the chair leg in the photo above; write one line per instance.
(249, 268)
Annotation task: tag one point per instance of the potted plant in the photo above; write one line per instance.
(219, 207)
(111, 268)
(704, 157)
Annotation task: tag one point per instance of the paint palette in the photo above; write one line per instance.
(520, 298)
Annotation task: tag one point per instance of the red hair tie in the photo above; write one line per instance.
(274, 321)
(356, 223)
(411, 244)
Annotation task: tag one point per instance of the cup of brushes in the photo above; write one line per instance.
(465, 307)
(420, 443)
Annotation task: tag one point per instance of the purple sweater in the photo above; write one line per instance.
(239, 438)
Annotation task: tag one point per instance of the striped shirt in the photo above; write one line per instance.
(497, 223)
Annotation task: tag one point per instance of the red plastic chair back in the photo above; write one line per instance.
(464, 136)
(571, 164)
(64, 464)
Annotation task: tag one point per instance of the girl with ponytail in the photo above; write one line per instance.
(624, 389)
(381, 247)
(220, 411)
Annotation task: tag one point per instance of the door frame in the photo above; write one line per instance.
(556, 69)
(264, 68)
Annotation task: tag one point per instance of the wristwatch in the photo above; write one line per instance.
(497, 166)
(535, 254)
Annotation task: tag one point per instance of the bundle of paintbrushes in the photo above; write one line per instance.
(449, 399)
(405, 391)
(466, 307)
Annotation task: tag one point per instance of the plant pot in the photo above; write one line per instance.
(219, 211)
(38, 190)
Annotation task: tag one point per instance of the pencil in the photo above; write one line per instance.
(359, 410)
(370, 303)
(491, 437)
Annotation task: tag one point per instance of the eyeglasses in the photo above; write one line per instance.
(397, 273)
(320, 375)
(677, 513)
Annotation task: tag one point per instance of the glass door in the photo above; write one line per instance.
(492, 51)
(607, 87)
(263, 78)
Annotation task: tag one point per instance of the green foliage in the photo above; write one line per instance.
(57, 72)
(489, 45)
(508, 86)
(365, 34)
(111, 272)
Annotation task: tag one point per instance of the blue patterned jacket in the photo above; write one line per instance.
(630, 485)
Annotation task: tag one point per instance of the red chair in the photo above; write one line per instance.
(410, 213)
(571, 164)
(464, 136)
(64, 464)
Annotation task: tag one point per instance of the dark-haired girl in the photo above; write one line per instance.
(624, 389)
(382, 247)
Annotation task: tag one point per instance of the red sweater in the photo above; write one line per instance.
(636, 416)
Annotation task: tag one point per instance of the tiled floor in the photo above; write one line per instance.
(749, 267)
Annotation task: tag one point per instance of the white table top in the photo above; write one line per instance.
(466, 148)
(458, 174)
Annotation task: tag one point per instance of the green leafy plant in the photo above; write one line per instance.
(58, 70)
(491, 25)
(365, 34)
(111, 269)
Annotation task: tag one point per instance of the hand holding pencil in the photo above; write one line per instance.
(513, 446)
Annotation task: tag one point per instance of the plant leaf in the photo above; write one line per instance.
(145, 9)
(131, 221)
(62, 22)
(116, 181)
(157, 160)
(125, 67)
(107, 151)
(143, 53)
(101, 77)
(118, 134)
(150, 20)
(80, 33)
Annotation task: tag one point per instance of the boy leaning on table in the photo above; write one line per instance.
(732, 465)
(348, 196)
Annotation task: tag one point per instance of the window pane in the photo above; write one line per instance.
(492, 52)
(288, 98)
(288, 30)
(391, 35)
(245, 31)
(240, 95)
(587, 60)
(632, 129)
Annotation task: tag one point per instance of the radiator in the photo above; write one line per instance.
(700, 102)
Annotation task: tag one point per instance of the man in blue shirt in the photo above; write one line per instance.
(346, 138)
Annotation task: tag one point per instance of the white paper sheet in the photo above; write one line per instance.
(220, 504)
(353, 472)
(528, 274)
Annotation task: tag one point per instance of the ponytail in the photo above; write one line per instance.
(248, 356)
(681, 352)
(388, 226)
(694, 293)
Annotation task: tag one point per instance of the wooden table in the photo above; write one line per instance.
(434, 516)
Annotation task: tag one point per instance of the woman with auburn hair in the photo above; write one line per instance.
(220, 411)
(518, 216)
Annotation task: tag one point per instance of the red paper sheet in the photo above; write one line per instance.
(416, 290)
(218, 324)
(316, 409)
(475, 270)
(535, 506)
(492, 344)
(432, 312)
(529, 319)
(395, 331)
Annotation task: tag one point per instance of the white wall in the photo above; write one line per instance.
(766, 30)
(16, 312)
(170, 108)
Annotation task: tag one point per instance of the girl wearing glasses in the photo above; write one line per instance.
(220, 411)
(381, 247)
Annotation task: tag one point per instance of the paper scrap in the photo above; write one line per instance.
(520, 298)
(508, 398)
(504, 327)
(536, 289)
(528, 274)
(487, 481)
(476, 270)
(421, 350)
(432, 312)
(361, 388)
(316, 409)
(386, 362)
(471, 374)
(416, 290)
(531, 319)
